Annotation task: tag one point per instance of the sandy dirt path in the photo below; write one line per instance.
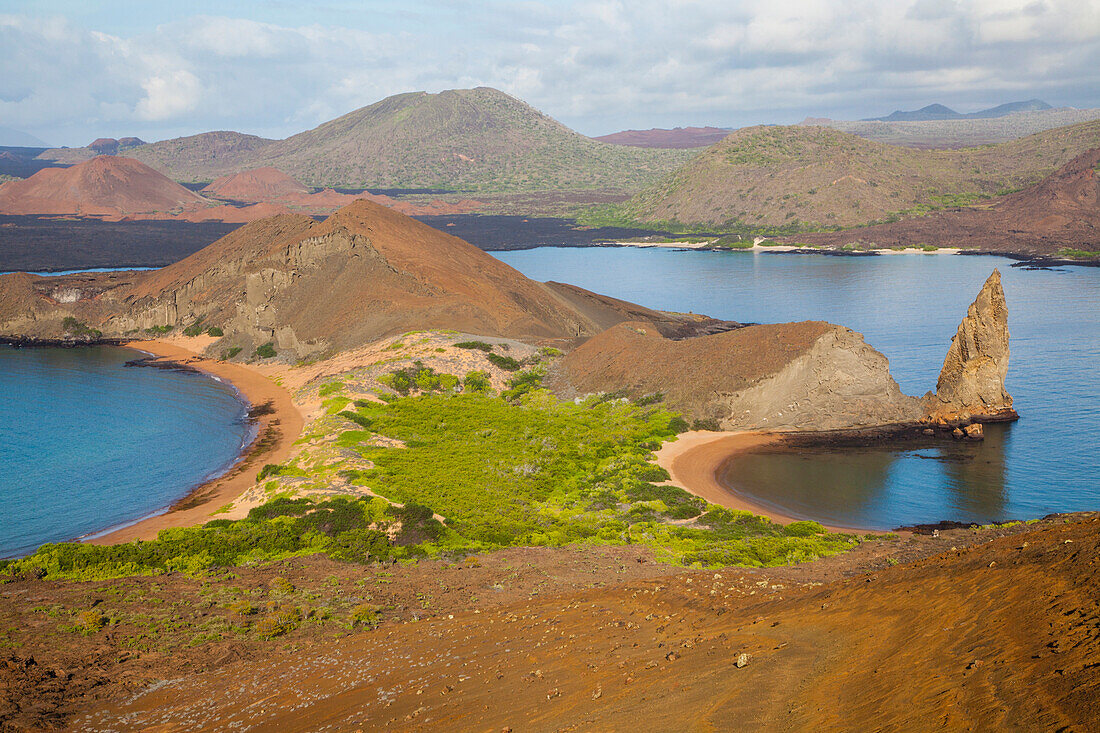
(277, 429)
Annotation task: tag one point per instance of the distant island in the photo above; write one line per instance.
(941, 112)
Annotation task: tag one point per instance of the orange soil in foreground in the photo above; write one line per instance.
(999, 634)
(278, 426)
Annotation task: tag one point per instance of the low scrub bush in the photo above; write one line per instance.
(479, 345)
(506, 363)
(266, 351)
(418, 378)
(78, 328)
(350, 530)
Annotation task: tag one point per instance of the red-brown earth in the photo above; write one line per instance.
(106, 186)
(116, 188)
(973, 629)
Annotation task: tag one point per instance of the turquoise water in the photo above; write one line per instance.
(87, 443)
(908, 307)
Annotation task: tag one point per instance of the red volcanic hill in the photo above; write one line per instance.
(259, 184)
(107, 186)
(676, 138)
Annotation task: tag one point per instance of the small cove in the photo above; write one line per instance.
(908, 307)
(87, 443)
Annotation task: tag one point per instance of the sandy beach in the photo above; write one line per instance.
(277, 429)
(696, 457)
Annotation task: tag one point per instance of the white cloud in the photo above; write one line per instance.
(169, 95)
(598, 64)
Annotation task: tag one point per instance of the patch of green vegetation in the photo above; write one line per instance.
(340, 527)
(266, 351)
(194, 329)
(733, 241)
(539, 471)
(77, 328)
(215, 331)
(479, 345)
(330, 388)
(507, 363)
(549, 351)
(156, 330)
(1079, 254)
(231, 352)
(477, 382)
(419, 378)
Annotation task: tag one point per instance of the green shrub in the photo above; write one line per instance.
(78, 328)
(650, 399)
(355, 417)
(366, 614)
(194, 329)
(480, 345)
(506, 363)
(266, 351)
(279, 623)
(678, 425)
(159, 329)
(270, 469)
(521, 384)
(327, 390)
(418, 378)
(231, 352)
(215, 331)
(477, 382)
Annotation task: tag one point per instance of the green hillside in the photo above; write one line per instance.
(798, 177)
(477, 139)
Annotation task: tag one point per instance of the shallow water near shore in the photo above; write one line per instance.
(908, 307)
(87, 443)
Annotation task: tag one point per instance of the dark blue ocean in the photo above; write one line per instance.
(87, 443)
(908, 307)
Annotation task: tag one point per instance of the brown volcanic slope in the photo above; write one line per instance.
(784, 375)
(104, 186)
(259, 184)
(364, 273)
(1062, 212)
(677, 138)
(997, 635)
(816, 176)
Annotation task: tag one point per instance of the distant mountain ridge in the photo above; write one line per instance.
(20, 139)
(941, 112)
(472, 139)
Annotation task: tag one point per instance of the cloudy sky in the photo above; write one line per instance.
(73, 70)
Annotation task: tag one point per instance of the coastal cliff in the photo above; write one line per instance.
(811, 376)
(971, 386)
(791, 376)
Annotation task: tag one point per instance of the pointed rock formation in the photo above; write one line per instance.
(971, 387)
